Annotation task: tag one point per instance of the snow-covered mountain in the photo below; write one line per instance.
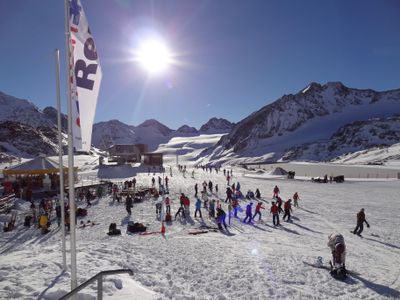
(25, 130)
(21, 140)
(149, 132)
(313, 114)
(216, 125)
(25, 112)
(353, 137)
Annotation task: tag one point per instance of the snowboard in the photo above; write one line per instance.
(328, 268)
(198, 232)
(148, 232)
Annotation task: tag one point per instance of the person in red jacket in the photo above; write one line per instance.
(360, 222)
(275, 214)
(276, 191)
(287, 207)
(259, 207)
(295, 199)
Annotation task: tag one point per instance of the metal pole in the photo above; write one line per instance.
(100, 288)
(71, 189)
(60, 159)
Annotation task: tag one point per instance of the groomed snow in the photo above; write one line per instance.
(251, 262)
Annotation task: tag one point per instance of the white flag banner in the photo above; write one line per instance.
(85, 76)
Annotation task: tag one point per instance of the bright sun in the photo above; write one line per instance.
(154, 56)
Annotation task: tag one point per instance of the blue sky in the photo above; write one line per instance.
(235, 56)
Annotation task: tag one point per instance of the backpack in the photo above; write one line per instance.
(112, 227)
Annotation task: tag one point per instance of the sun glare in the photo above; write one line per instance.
(154, 56)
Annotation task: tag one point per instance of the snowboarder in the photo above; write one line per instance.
(275, 214)
(338, 249)
(287, 208)
(295, 199)
(259, 207)
(198, 208)
(248, 213)
(360, 222)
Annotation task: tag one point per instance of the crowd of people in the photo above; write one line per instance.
(207, 203)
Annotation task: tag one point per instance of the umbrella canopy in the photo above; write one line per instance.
(38, 165)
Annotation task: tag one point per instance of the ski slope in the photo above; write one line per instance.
(250, 262)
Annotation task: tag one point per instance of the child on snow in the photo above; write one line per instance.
(259, 207)
(275, 214)
(287, 208)
(248, 213)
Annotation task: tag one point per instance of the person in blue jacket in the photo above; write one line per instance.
(198, 208)
(248, 212)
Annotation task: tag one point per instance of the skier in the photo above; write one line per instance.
(158, 207)
(216, 188)
(168, 205)
(195, 190)
(275, 214)
(129, 204)
(248, 213)
(259, 207)
(276, 191)
(295, 199)
(338, 248)
(210, 186)
(360, 222)
(221, 215)
(198, 208)
(153, 181)
(288, 208)
(258, 194)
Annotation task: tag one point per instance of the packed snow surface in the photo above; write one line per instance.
(257, 261)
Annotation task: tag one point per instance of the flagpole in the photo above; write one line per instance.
(60, 160)
(71, 189)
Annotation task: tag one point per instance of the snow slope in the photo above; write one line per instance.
(251, 262)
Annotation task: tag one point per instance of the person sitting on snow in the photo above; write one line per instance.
(338, 249)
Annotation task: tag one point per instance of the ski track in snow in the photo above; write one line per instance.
(255, 262)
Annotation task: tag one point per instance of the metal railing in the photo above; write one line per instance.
(99, 278)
